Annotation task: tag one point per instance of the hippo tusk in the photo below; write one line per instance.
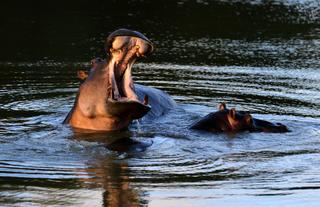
(112, 80)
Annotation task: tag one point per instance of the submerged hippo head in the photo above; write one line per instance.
(107, 99)
(230, 120)
(224, 120)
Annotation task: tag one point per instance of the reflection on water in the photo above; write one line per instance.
(261, 56)
(115, 180)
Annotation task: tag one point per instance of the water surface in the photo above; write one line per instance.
(267, 64)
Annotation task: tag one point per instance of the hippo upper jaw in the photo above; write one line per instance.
(123, 99)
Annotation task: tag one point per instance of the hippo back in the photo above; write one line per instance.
(160, 101)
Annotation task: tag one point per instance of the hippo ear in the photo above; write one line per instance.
(222, 106)
(82, 75)
(232, 113)
(248, 119)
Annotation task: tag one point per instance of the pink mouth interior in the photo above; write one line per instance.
(123, 90)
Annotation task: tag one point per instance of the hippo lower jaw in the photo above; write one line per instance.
(122, 100)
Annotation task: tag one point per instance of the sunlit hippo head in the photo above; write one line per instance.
(107, 99)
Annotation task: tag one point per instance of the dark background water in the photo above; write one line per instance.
(261, 56)
(75, 31)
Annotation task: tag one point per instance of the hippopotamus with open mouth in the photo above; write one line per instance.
(108, 99)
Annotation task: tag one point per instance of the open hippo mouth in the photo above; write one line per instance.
(124, 48)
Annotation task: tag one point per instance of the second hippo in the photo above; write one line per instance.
(230, 120)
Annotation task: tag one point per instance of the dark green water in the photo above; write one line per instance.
(261, 56)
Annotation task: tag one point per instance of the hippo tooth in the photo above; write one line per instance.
(116, 94)
(127, 83)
